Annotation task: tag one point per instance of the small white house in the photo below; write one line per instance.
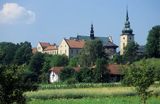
(54, 74)
(53, 77)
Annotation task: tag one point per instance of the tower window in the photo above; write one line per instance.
(123, 38)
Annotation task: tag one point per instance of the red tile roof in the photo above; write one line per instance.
(114, 69)
(57, 70)
(44, 44)
(51, 47)
(75, 43)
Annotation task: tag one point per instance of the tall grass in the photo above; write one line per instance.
(81, 92)
(85, 92)
(106, 100)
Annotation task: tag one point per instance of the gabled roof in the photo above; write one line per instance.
(110, 44)
(73, 43)
(44, 44)
(104, 40)
(51, 47)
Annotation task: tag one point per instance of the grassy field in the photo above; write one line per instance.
(81, 92)
(100, 95)
(106, 100)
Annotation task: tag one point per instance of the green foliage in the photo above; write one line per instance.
(101, 73)
(102, 100)
(66, 73)
(73, 62)
(13, 85)
(92, 50)
(84, 75)
(36, 65)
(71, 81)
(153, 42)
(23, 53)
(130, 53)
(59, 60)
(7, 52)
(140, 75)
(119, 59)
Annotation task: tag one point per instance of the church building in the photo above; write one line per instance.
(108, 45)
(126, 36)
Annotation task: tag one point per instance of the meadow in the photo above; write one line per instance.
(90, 95)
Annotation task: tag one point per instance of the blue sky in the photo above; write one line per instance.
(53, 20)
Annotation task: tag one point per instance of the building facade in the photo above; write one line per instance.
(45, 47)
(70, 47)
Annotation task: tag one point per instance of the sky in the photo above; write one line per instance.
(52, 20)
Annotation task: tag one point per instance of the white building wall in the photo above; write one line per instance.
(63, 48)
(124, 40)
(39, 48)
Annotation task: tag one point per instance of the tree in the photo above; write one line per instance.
(23, 53)
(12, 85)
(59, 60)
(130, 53)
(73, 62)
(7, 52)
(92, 50)
(67, 73)
(153, 42)
(140, 75)
(119, 59)
(101, 72)
(36, 65)
(85, 75)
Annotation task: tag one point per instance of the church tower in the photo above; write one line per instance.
(92, 32)
(127, 35)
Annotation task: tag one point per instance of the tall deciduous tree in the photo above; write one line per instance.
(23, 53)
(101, 71)
(92, 50)
(153, 42)
(85, 75)
(36, 65)
(7, 52)
(130, 53)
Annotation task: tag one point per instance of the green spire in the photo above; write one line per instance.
(92, 32)
(127, 17)
(127, 30)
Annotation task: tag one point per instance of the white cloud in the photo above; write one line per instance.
(13, 13)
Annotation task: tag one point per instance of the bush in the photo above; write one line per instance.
(67, 73)
(71, 81)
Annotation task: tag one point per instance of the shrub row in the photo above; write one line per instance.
(77, 85)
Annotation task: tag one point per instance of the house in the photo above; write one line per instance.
(52, 49)
(41, 46)
(108, 45)
(70, 47)
(114, 71)
(45, 47)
